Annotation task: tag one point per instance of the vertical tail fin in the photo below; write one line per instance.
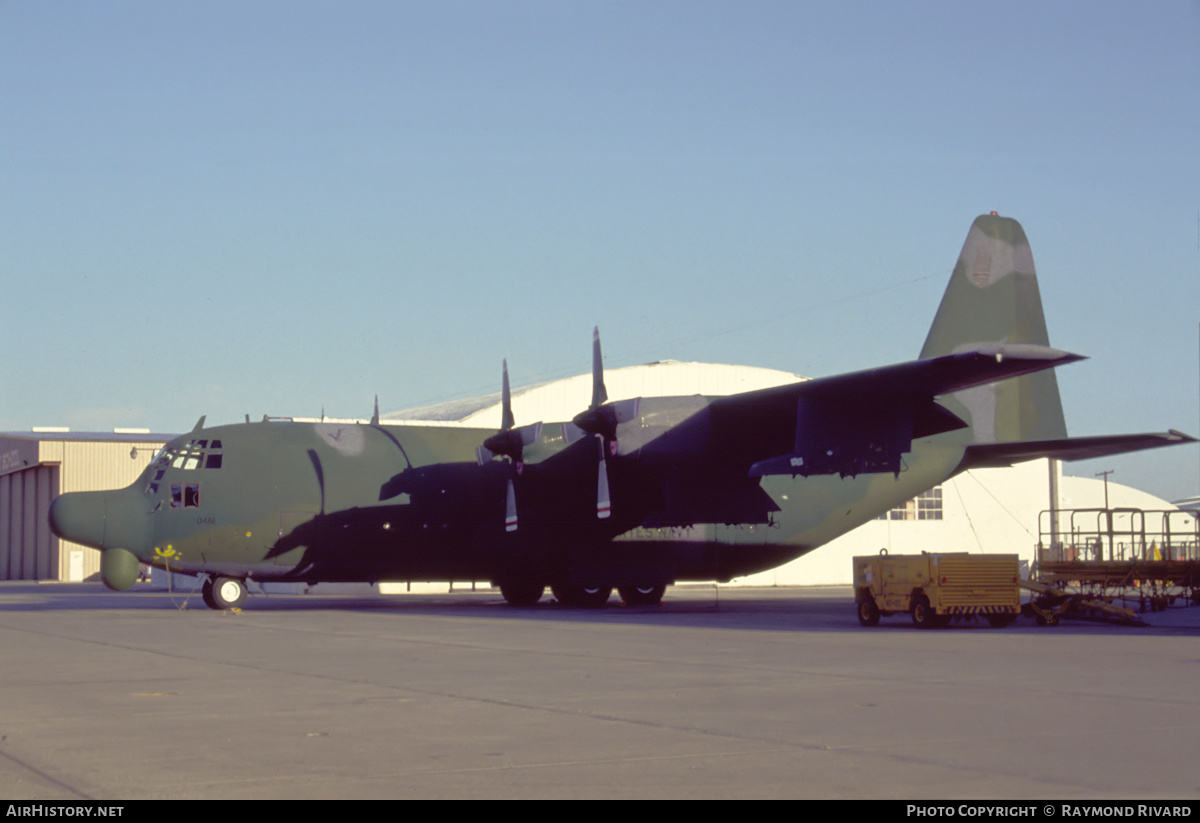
(993, 298)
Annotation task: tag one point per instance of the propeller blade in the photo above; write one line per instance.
(603, 500)
(598, 418)
(508, 441)
(599, 393)
(506, 414)
(510, 508)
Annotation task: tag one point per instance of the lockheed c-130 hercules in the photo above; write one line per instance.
(684, 482)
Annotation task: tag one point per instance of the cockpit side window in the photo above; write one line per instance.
(185, 495)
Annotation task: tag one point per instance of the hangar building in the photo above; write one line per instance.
(37, 467)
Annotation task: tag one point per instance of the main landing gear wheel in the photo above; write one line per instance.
(581, 596)
(522, 593)
(224, 592)
(642, 595)
(868, 612)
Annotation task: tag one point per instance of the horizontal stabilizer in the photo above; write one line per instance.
(1000, 455)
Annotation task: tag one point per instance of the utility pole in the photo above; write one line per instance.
(1107, 512)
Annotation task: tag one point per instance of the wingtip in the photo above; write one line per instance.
(1023, 351)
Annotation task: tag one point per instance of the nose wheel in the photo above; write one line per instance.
(223, 592)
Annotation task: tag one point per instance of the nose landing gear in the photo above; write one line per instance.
(221, 592)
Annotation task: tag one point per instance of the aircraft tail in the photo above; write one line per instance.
(993, 298)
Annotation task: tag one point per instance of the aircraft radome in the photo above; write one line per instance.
(635, 494)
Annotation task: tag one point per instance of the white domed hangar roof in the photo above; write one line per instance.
(563, 399)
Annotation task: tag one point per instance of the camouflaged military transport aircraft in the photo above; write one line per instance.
(636, 494)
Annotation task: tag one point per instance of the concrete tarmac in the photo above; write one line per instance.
(715, 694)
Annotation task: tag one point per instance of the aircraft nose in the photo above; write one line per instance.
(127, 523)
(103, 520)
(115, 522)
(79, 517)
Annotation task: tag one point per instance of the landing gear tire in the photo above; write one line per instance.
(642, 595)
(868, 612)
(522, 594)
(225, 593)
(922, 613)
(206, 591)
(581, 596)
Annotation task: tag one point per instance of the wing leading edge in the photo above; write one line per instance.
(863, 421)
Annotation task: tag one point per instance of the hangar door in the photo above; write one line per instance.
(28, 550)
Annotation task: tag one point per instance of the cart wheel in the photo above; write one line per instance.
(922, 613)
(868, 612)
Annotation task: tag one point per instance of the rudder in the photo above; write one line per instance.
(993, 298)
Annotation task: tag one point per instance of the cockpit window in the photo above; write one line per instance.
(196, 454)
(152, 486)
(190, 456)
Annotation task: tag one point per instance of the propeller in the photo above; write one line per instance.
(509, 443)
(600, 420)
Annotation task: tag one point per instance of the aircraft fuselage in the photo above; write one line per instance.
(359, 502)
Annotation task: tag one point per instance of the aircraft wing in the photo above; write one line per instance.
(1002, 455)
(933, 376)
(847, 424)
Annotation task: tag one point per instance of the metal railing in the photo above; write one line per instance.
(1118, 535)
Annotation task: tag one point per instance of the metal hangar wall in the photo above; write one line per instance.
(37, 467)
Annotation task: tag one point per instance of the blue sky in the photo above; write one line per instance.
(278, 207)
